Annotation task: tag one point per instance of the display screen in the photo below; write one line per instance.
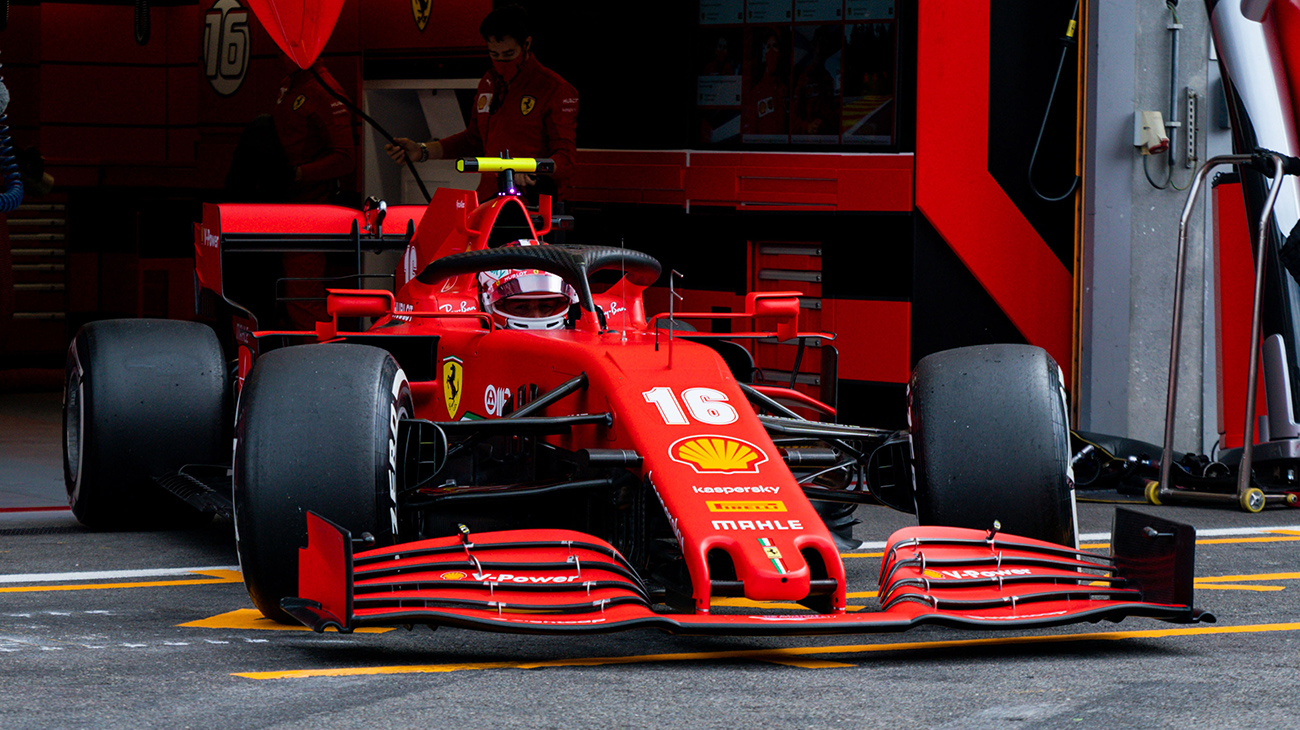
(796, 73)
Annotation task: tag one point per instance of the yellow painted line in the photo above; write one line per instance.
(1257, 576)
(749, 603)
(1281, 536)
(217, 576)
(772, 655)
(1232, 582)
(1231, 587)
(251, 618)
(811, 663)
(1238, 540)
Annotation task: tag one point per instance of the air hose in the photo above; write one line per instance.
(383, 132)
(10, 177)
(1068, 41)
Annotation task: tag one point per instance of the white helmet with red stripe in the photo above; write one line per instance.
(525, 299)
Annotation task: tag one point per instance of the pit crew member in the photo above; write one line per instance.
(521, 107)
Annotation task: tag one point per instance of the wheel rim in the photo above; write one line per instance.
(1253, 500)
(73, 431)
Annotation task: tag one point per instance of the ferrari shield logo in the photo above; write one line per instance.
(421, 9)
(526, 105)
(297, 103)
(453, 372)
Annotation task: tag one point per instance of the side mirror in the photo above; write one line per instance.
(359, 303)
(783, 305)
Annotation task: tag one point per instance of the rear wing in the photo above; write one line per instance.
(232, 230)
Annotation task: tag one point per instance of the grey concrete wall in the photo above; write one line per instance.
(1131, 230)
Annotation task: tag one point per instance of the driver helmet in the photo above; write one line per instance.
(525, 299)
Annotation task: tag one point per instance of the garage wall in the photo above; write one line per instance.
(1130, 231)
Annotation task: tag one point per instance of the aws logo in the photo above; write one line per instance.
(714, 454)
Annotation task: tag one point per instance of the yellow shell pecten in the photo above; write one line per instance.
(718, 454)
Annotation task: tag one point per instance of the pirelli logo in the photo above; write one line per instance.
(737, 505)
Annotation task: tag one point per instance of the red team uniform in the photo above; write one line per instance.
(315, 130)
(506, 116)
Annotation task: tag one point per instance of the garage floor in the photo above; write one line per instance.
(154, 629)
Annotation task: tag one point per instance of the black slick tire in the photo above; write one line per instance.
(317, 431)
(142, 398)
(991, 442)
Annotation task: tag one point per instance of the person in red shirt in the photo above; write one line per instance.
(521, 107)
(315, 130)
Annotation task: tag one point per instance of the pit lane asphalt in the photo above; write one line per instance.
(109, 648)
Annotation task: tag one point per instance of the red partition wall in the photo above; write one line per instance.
(958, 195)
(1235, 279)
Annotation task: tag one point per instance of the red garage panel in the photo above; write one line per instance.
(450, 25)
(95, 33)
(881, 331)
(97, 95)
(761, 180)
(1235, 275)
(795, 181)
(958, 195)
(610, 176)
(111, 144)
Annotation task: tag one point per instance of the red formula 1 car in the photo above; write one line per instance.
(597, 469)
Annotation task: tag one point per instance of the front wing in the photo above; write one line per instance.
(559, 581)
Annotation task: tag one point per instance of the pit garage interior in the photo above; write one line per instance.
(984, 171)
(911, 226)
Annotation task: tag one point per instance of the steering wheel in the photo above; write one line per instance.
(574, 264)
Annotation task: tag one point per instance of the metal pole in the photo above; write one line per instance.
(1175, 337)
(1248, 442)
(1173, 123)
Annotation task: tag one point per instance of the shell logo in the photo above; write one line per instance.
(714, 454)
(453, 575)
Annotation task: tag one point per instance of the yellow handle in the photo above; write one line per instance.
(498, 164)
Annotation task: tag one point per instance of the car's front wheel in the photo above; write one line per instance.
(991, 442)
(317, 430)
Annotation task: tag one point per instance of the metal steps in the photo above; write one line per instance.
(37, 238)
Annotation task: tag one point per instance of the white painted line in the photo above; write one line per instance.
(106, 574)
(1212, 532)
(1104, 536)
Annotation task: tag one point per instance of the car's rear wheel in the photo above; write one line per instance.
(142, 398)
(317, 431)
(991, 442)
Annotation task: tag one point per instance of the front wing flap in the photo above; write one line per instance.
(559, 581)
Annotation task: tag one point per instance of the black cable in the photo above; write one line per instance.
(11, 177)
(353, 108)
(1068, 42)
